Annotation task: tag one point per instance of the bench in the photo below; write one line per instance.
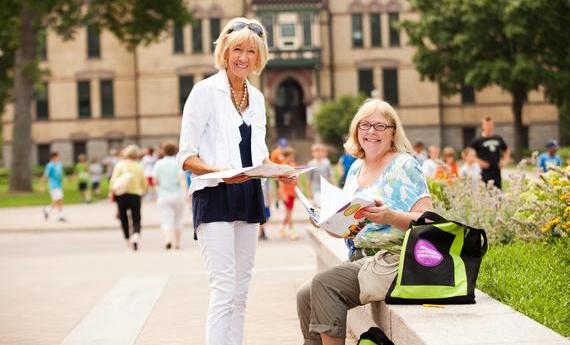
(486, 322)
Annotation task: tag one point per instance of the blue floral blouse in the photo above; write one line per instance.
(399, 186)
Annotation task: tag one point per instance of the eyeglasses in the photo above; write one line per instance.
(256, 28)
(378, 126)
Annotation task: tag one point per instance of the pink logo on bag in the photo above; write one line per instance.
(426, 254)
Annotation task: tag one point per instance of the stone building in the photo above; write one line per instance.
(99, 95)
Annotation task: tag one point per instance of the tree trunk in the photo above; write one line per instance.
(519, 94)
(21, 168)
(564, 122)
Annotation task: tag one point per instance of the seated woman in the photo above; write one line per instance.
(387, 172)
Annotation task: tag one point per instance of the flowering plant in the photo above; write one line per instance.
(535, 207)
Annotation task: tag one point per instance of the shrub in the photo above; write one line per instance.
(333, 119)
(529, 209)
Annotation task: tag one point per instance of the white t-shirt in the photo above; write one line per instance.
(429, 168)
(147, 163)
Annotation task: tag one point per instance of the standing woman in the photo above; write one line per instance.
(223, 127)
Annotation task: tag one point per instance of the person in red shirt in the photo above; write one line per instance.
(287, 195)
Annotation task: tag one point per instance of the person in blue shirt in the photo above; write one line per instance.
(549, 158)
(344, 163)
(53, 172)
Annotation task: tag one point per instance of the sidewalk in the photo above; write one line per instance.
(101, 216)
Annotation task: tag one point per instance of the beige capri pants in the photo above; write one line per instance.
(323, 302)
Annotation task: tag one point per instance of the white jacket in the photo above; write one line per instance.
(210, 127)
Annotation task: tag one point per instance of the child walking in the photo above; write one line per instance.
(287, 195)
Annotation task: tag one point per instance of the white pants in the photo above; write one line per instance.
(171, 209)
(228, 250)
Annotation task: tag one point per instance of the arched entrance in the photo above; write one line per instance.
(290, 111)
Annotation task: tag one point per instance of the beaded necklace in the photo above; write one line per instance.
(239, 106)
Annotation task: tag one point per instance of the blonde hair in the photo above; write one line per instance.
(448, 151)
(371, 106)
(318, 146)
(226, 41)
(131, 152)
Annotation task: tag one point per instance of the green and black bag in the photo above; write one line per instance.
(374, 336)
(439, 262)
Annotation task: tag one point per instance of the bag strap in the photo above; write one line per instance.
(428, 215)
(484, 245)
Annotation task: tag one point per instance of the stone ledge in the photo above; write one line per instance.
(484, 323)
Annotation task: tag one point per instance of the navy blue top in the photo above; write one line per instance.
(231, 202)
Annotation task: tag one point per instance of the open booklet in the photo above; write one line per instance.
(340, 212)
(258, 171)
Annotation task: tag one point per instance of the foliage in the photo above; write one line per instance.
(533, 278)
(334, 117)
(516, 45)
(8, 42)
(531, 208)
(547, 198)
(133, 22)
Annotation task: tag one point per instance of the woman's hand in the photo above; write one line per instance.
(237, 179)
(379, 213)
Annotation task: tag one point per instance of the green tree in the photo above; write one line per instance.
(134, 22)
(333, 119)
(518, 45)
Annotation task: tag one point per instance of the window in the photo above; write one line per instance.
(365, 81)
(93, 44)
(357, 36)
(185, 84)
(197, 36)
(107, 99)
(214, 31)
(375, 30)
(390, 81)
(84, 98)
(42, 105)
(393, 18)
(468, 135)
(42, 44)
(267, 21)
(307, 35)
(79, 148)
(178, 35)
(467, 95)
(288, 30)
(44, 151)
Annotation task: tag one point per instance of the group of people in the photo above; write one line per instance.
(224, 127)
(482, 160)
(285, 190)
(140, 173)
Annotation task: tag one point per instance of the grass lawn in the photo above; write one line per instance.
(533, 278)
(37, 197)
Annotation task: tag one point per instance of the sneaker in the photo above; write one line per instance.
(62, 219)
(168, 246)
(46, 213)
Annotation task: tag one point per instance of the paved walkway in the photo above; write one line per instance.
(99, 215)
(63, 285)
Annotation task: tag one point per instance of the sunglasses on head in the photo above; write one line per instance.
(256, 28)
